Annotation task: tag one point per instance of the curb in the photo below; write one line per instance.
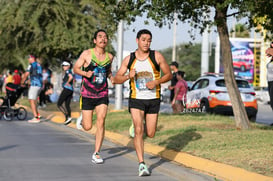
(219, 170)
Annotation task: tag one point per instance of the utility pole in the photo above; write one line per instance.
(174, 37)
(118, 94)
(205, 52)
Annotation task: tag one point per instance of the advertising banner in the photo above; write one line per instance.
(246, 55)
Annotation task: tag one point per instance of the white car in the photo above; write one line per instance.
(263, 95)
(209, 94)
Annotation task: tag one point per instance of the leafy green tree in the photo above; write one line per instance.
(241, 31)
(50, 29)
(188, 58)
(197, 13)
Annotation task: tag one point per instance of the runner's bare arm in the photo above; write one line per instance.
(24, 78)
(120, 76)
(70, 78)
(164, 67)
(81, 62)
(167, 75)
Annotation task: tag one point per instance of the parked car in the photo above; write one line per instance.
(165, 95)
(189, 83)
(209, 94)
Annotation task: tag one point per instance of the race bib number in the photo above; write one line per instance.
(142, 78)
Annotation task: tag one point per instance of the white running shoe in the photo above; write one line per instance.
(69, 119)
(34, 120)
(143, 170)
(79, 122)
(96, 158)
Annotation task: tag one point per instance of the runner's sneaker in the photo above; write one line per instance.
(39, 116)
(34, 120)
(67, 121)
(79, 122)
(96, 158)
(143, 170)
(132, 131)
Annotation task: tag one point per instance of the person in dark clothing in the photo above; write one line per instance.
(174, 68)
(67, 92)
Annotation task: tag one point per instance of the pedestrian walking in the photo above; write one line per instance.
(174, 68)
(94, 65)
(47, 74)
(67, 93)
(180, 93)
(145, 66)
(34, 71)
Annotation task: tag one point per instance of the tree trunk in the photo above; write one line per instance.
(240, 115)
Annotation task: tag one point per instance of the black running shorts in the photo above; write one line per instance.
(91, 103)
(150, 106)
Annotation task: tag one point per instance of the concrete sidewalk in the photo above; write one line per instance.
(219, 170)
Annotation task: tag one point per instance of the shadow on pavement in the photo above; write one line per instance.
(172, 144)
(7, 147)
(119, 151)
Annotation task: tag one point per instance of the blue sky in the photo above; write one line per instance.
(162, 37)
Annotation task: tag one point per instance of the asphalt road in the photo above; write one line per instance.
(53, 152)
(265, 114)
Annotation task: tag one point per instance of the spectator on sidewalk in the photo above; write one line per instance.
(67, 92)
(34, 71)
(180, 93)
(16, 77)
(47, 74)
(9, 78)
(51, 95)
(174, 68)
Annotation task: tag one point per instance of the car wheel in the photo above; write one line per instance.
(204, 107)
(252, 118)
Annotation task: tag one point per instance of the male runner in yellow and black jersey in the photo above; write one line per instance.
(144, 67)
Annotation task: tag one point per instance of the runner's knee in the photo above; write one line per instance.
(86, 127)
(138, 130)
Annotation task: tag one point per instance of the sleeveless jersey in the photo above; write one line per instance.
(68, 86)
(96, 86)
(146, 71)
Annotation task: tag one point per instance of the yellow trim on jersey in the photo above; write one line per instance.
(80, 102)
(132, 82)
(156, 77)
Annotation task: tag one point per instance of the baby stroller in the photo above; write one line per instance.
(13, 93)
